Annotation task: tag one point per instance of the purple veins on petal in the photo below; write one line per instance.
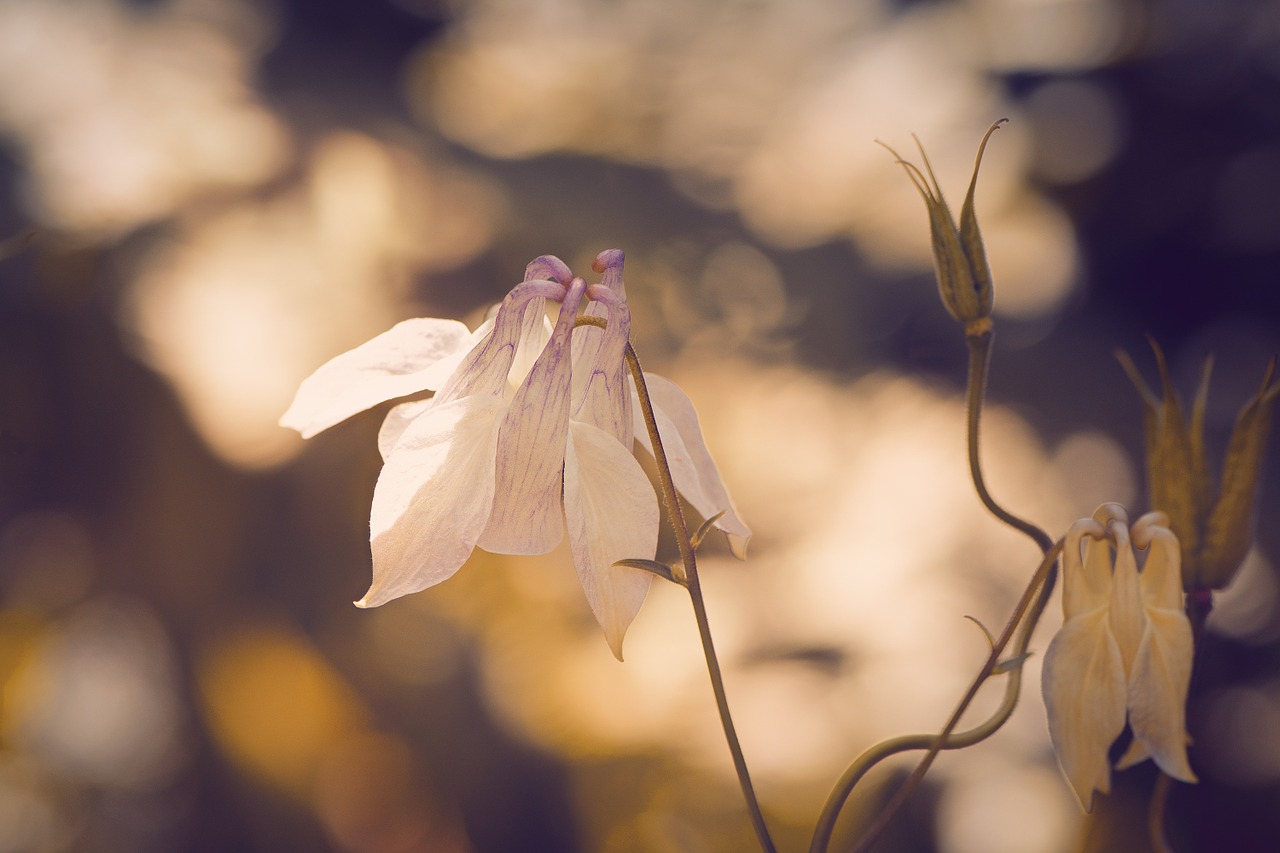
(526, 515)
(485, 368)
(433, 497)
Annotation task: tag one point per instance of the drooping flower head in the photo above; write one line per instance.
(1124, 651)
(529, 434)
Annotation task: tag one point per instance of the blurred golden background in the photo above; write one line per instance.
(206, 199)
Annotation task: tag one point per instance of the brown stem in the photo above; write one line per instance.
(1042, 580)
(694, 586)
(979, 359)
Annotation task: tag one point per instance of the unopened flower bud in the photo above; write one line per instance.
(959, 259)
(1216, 530)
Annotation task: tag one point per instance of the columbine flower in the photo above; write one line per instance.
(1215, 530)
(1125, 647)
(530, 431)
(959, 259)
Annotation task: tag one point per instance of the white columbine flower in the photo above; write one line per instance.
(1125, 648)
(530, 431)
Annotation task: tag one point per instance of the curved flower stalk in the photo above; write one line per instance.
(529, 434)
(967, 290)
(1124, 649)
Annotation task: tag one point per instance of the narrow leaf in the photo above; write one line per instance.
(662, 570)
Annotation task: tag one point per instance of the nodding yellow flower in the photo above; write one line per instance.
(1124, 651)
(529, 434)
(959, 258)
(1215, 529)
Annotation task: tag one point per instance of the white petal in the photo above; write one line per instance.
(692, 467)
(1084, 692)
(534, 334)
(612, 514)
(437, 374)
(527, 516)
(1158, 694)
(394, 364)
(397, 421)
(433, 497)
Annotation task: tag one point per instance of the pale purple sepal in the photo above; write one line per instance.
(527, 518)
(694, 471)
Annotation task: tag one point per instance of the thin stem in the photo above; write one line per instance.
(979, 342)
(978, 336)
(691, 583)
(1031, 606)
(1156, 814)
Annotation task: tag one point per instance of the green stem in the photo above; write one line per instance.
(979, 342)
(1031, 606)
(691, 583)
(979, 337)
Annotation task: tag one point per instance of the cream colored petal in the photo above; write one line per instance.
(394, 364)
(612, 514)
(399, 417)
(1158, 695)
(1086, 568)
(692, 467)
(1133, 756)
(1161, 578)
(527, 516)
(1109, 512)
(1148, 521)
(1161, 674)
(1084, 692)
(1128, 618)
(433, 497)
(397, 421)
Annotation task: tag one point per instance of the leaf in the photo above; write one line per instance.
(707, 527)
(991, 640)
(662, 570)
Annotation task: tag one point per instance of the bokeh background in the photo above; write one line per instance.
(203, 200)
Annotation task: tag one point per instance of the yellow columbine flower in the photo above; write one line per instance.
(1124, 649)
(1215, 530)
